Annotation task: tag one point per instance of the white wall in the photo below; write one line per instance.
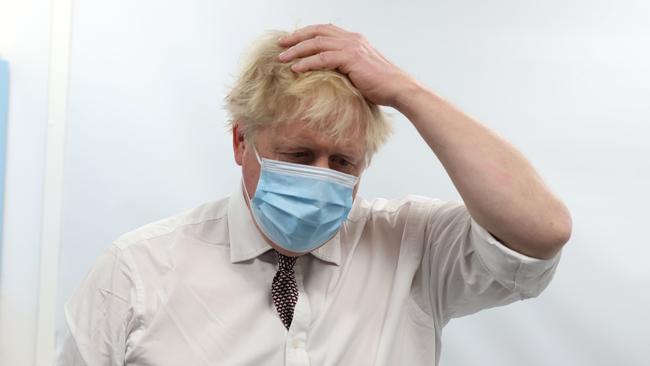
(565, 81)
(24, 42)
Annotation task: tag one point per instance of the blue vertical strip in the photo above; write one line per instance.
(4, 107)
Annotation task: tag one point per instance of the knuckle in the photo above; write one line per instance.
(319, 40)
(324, 58)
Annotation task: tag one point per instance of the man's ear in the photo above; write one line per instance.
(238, 144)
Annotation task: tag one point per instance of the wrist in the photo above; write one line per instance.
(407, 94)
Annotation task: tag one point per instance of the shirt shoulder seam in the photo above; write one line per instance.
(153, 230)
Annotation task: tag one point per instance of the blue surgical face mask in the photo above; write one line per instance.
(300, 207)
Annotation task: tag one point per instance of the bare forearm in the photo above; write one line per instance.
(500, 188)
(502, 191)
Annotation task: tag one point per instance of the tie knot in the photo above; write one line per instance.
(285, 262)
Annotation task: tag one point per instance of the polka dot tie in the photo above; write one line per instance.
(284, 290)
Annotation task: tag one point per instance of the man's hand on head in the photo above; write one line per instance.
(326, 46)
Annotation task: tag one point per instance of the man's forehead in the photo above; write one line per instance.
(301, 134)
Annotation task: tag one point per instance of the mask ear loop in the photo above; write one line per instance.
(257, 156)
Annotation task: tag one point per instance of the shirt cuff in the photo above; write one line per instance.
(517, 272)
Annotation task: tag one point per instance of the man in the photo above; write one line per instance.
(293, 268)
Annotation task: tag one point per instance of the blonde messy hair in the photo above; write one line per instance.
(267, 93)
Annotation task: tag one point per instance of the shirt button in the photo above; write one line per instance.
(295, 343)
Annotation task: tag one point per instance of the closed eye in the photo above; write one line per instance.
(341, 161)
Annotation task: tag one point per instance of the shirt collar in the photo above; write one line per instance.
(247, 242)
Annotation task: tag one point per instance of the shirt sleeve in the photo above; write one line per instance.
(470, 270)
(100, 314)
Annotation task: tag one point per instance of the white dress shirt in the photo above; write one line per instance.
(194, 289)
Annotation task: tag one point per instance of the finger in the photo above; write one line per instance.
(328, 60)
(308, 32)
(311, 47)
